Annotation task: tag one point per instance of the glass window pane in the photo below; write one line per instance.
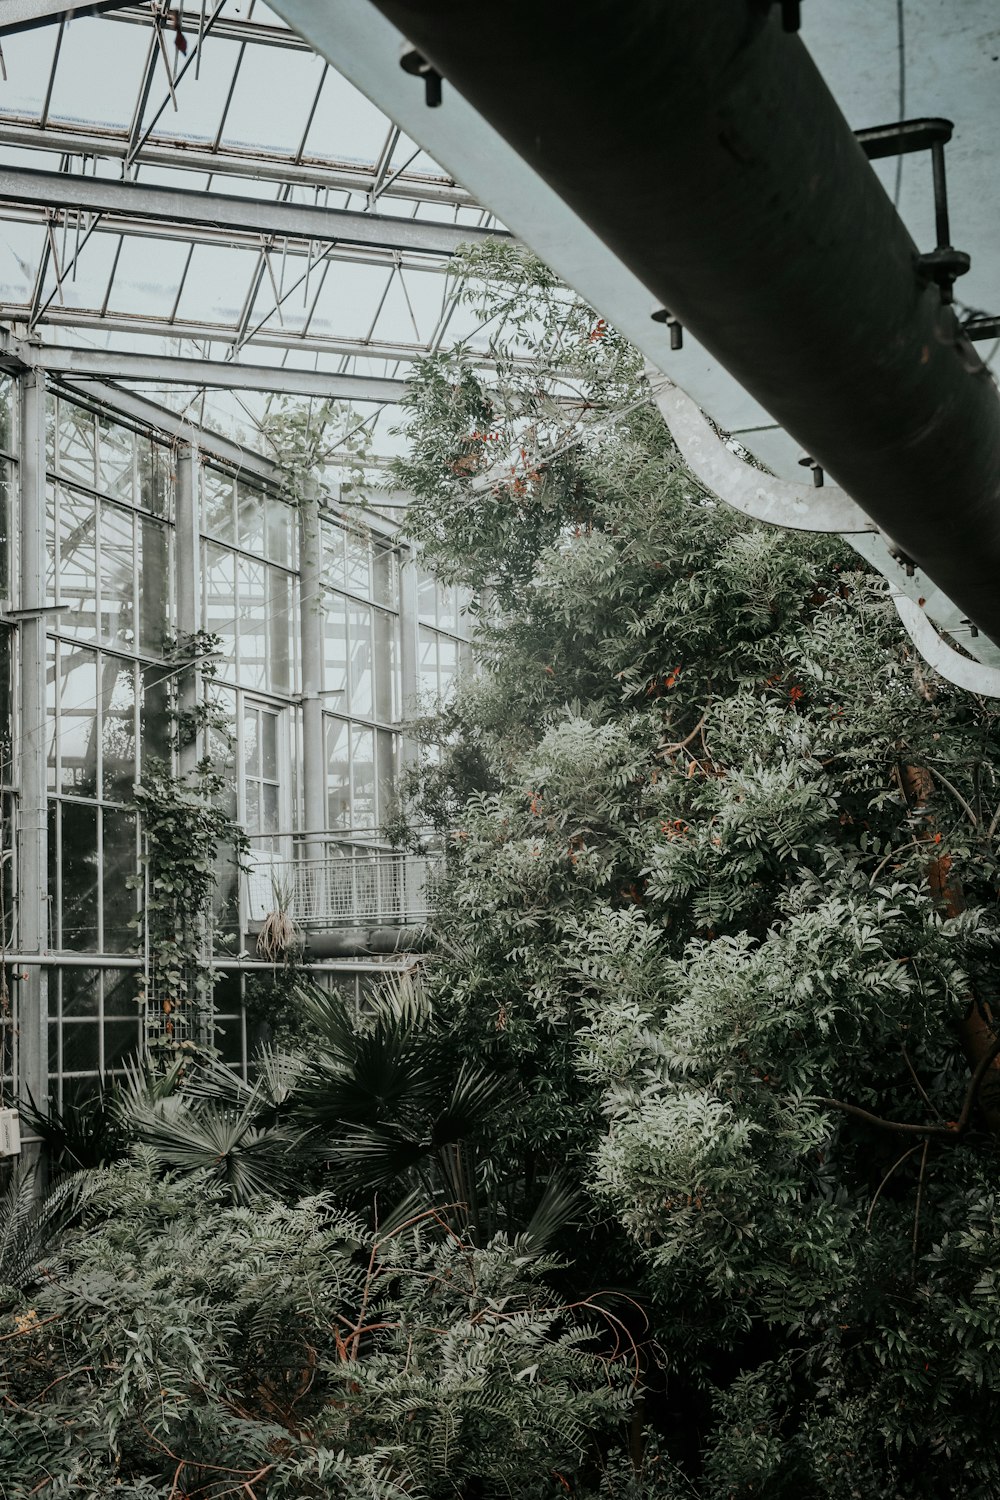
(335, 653)
(360, 626)
(447, 665)
(222, 745)
(338, 774)
(269, 746)
(79, 876)
(78, 720)
(385, 664)
(122, 1041)
(80, 992)
(220, 604)
(385, 748)
(226, 901)
(269, 809)
(116, 448)
(447, 607)
(155, 485)
(6, 682)
(253, 807)
(118, 864)
(386, 577)
(6, 413)
(427, 677)
(251, 748)
(117, 581)
(7, 494)
(51, 568)
(77, 581)
(334, 562)
(76, 456)
(51, 680)
(218, 505)
(117, 729)
(154, 585)
(121, 987)
(426, 596)
(81, 1047)
(358, 575)
(252, 623)
(363, 775)
(279, 532)
(250, 519)
(154, 720)
(279, 630)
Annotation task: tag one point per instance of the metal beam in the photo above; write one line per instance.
(161, 369)
(116, 399)
(779, 250)
(225, 333)
(25, 15)
(267, 166)
(182, 206)
(226, 27)
(208, 234)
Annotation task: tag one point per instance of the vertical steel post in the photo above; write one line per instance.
(187, 544)
(311, 640)
(32, 803)
(409, 680)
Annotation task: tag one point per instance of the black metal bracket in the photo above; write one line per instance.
(944, 263)
(807, 462)
(662, 315)
(983, 326)
(791, 15)
(414, 62)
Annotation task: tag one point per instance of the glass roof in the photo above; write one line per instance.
(239, 106)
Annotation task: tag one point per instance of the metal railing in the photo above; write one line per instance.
(338, 888)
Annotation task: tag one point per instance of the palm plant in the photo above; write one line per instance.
(396, 1112)
(30, 1224)
(214, 1122)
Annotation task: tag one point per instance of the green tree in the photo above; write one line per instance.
(707, 819)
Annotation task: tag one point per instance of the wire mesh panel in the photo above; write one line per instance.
(339, 890)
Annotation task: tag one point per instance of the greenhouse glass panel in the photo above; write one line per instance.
(117, 576)
(77, 566)
(338, 774)
(79, 876)
(219, 505)
(119, 864)
(77, 722)
(360, 628)
(335, 653)
(116, 460)
(154, 585)
(117, 729)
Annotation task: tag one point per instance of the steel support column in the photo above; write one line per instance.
(187, 542)
(311, 637)
(32, 799)
(409, 752)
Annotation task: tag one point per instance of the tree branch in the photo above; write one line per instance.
(948, 1132)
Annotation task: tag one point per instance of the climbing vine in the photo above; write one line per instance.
(185, 822)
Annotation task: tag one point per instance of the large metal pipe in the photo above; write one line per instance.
(702, 145)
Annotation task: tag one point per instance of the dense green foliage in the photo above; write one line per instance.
(183, 1346)
(583, 1207)
(689, 903)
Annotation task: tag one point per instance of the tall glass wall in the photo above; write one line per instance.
(112, 631)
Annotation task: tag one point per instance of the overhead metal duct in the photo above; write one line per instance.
(703, 147)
